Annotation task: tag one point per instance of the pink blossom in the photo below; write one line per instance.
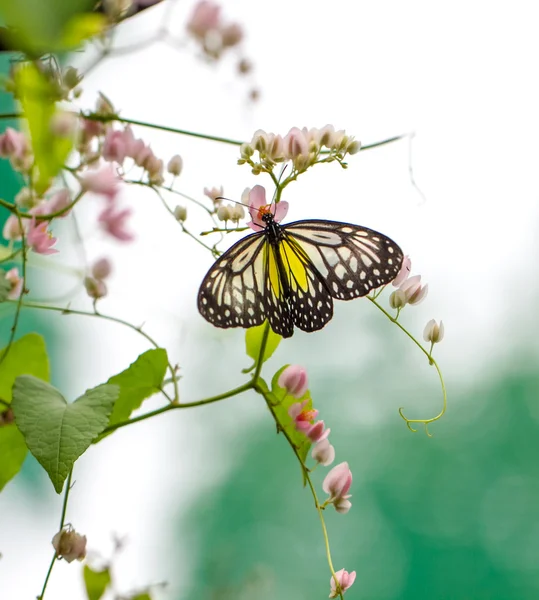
(13, 144)
(345, 580)
(302, 417)
(69, 545)
(12, 229)
(404, 272)
(214, 194)
(59, 201)
(115, 146)
(39, 239)
(103, 181)
(113, 222)
(258, 208)
(293, 379)
(413, 290)
(433, 332)
(338, 481)
(205, 17)
(102, 268)
(317, 432)
(16, 283)
(323, 452)
(142, 154)
(296, 143)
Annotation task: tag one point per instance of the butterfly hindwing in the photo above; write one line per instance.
(233, 291)
(352, 260)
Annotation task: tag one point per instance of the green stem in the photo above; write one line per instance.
(260, 359)
(164, 409)
(62, 523)
(431, 360)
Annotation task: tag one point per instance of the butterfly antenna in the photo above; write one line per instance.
(229, 200)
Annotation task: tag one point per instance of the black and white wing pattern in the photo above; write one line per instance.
(232, 293)
(351, 260)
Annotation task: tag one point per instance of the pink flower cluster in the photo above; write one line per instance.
(300, 146)
(410, 290)
(206, 25)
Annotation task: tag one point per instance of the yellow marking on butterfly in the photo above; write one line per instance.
(294, 265)
(273, 271)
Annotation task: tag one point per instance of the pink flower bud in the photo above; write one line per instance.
(296, 143)
(13, 144)
(12, 229)
(95, 288)
(404, 272)
(205, 17)
(101, 268)
(338, 481)
(113, 220)
(39, 239)
(16, 283)
(214, 194)
(175, 165)
(115, 146)
(345, 580)
(294, 380)
(63, 124)
(342, 505)
(323, 452)
(103, 181)
(413, 290)
(433, 332)
(69, 545)
(317, 432)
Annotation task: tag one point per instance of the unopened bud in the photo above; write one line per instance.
(104, 105)
(354, 147)
(245, 66)
(175, 165)
(102, 268)
(397, 299)
(223, 213)
(180, 213)
(25, 198)
(294, 380)
(433, 332)
(69, 545)
(95, 288)
(237, 213)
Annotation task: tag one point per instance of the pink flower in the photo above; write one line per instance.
(12, 229)
(302, 418)
(16, 283)
(13, 144)
(69, 545)
(404, 272)
(323, 452)
(338, 481)
(103, 181)
(345, 580)
(413, 290)
(296, 143)
(59, 201)
(205, 17)
(317, 432)
(101, 268)
(294, 378)
(115, 146)
(258, 208)
(113, 222)
(39, 239)
(214, 194)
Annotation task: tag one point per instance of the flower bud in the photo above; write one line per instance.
(71, 78)
(231, 35)
(413, 290)
(102, 268)
(69, 545)
(345, 580)
(317, 432)
(104, 105)
(354, 147)
(214, 194)
(342, 505)
(12, 229)
(246, 150)
(25, 198)
(338, 481)
(404, 272)
(95, 288)
(175, 165)
(237, 213)
(245, 66)
(397, 299)
(16, 283)
(433, 332)
(223, 213)
(180, 213)
(294, 380)
(323, 453)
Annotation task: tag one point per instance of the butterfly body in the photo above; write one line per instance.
(290, 274)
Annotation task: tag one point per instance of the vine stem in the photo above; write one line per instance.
(62, 523)
(431, 360)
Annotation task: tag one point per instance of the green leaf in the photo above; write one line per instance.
(141, 597)
(38, 98)
(5, 252)
(27, 356)
(253, 341)
(139, 381)
(5, 286)
(12, 452)
(56, 432)
(96, 582)
(282, 402)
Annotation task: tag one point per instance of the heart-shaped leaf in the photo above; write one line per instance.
(96, 582)
(56, 432)
(12, 452)
(254, 337)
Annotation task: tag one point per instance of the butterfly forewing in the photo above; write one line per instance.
(352, 260)
(232, 293)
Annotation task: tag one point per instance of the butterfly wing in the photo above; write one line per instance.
(232, 292)
(350, 259)
(276, 291)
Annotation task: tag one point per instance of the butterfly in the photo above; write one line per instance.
(290, 274)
